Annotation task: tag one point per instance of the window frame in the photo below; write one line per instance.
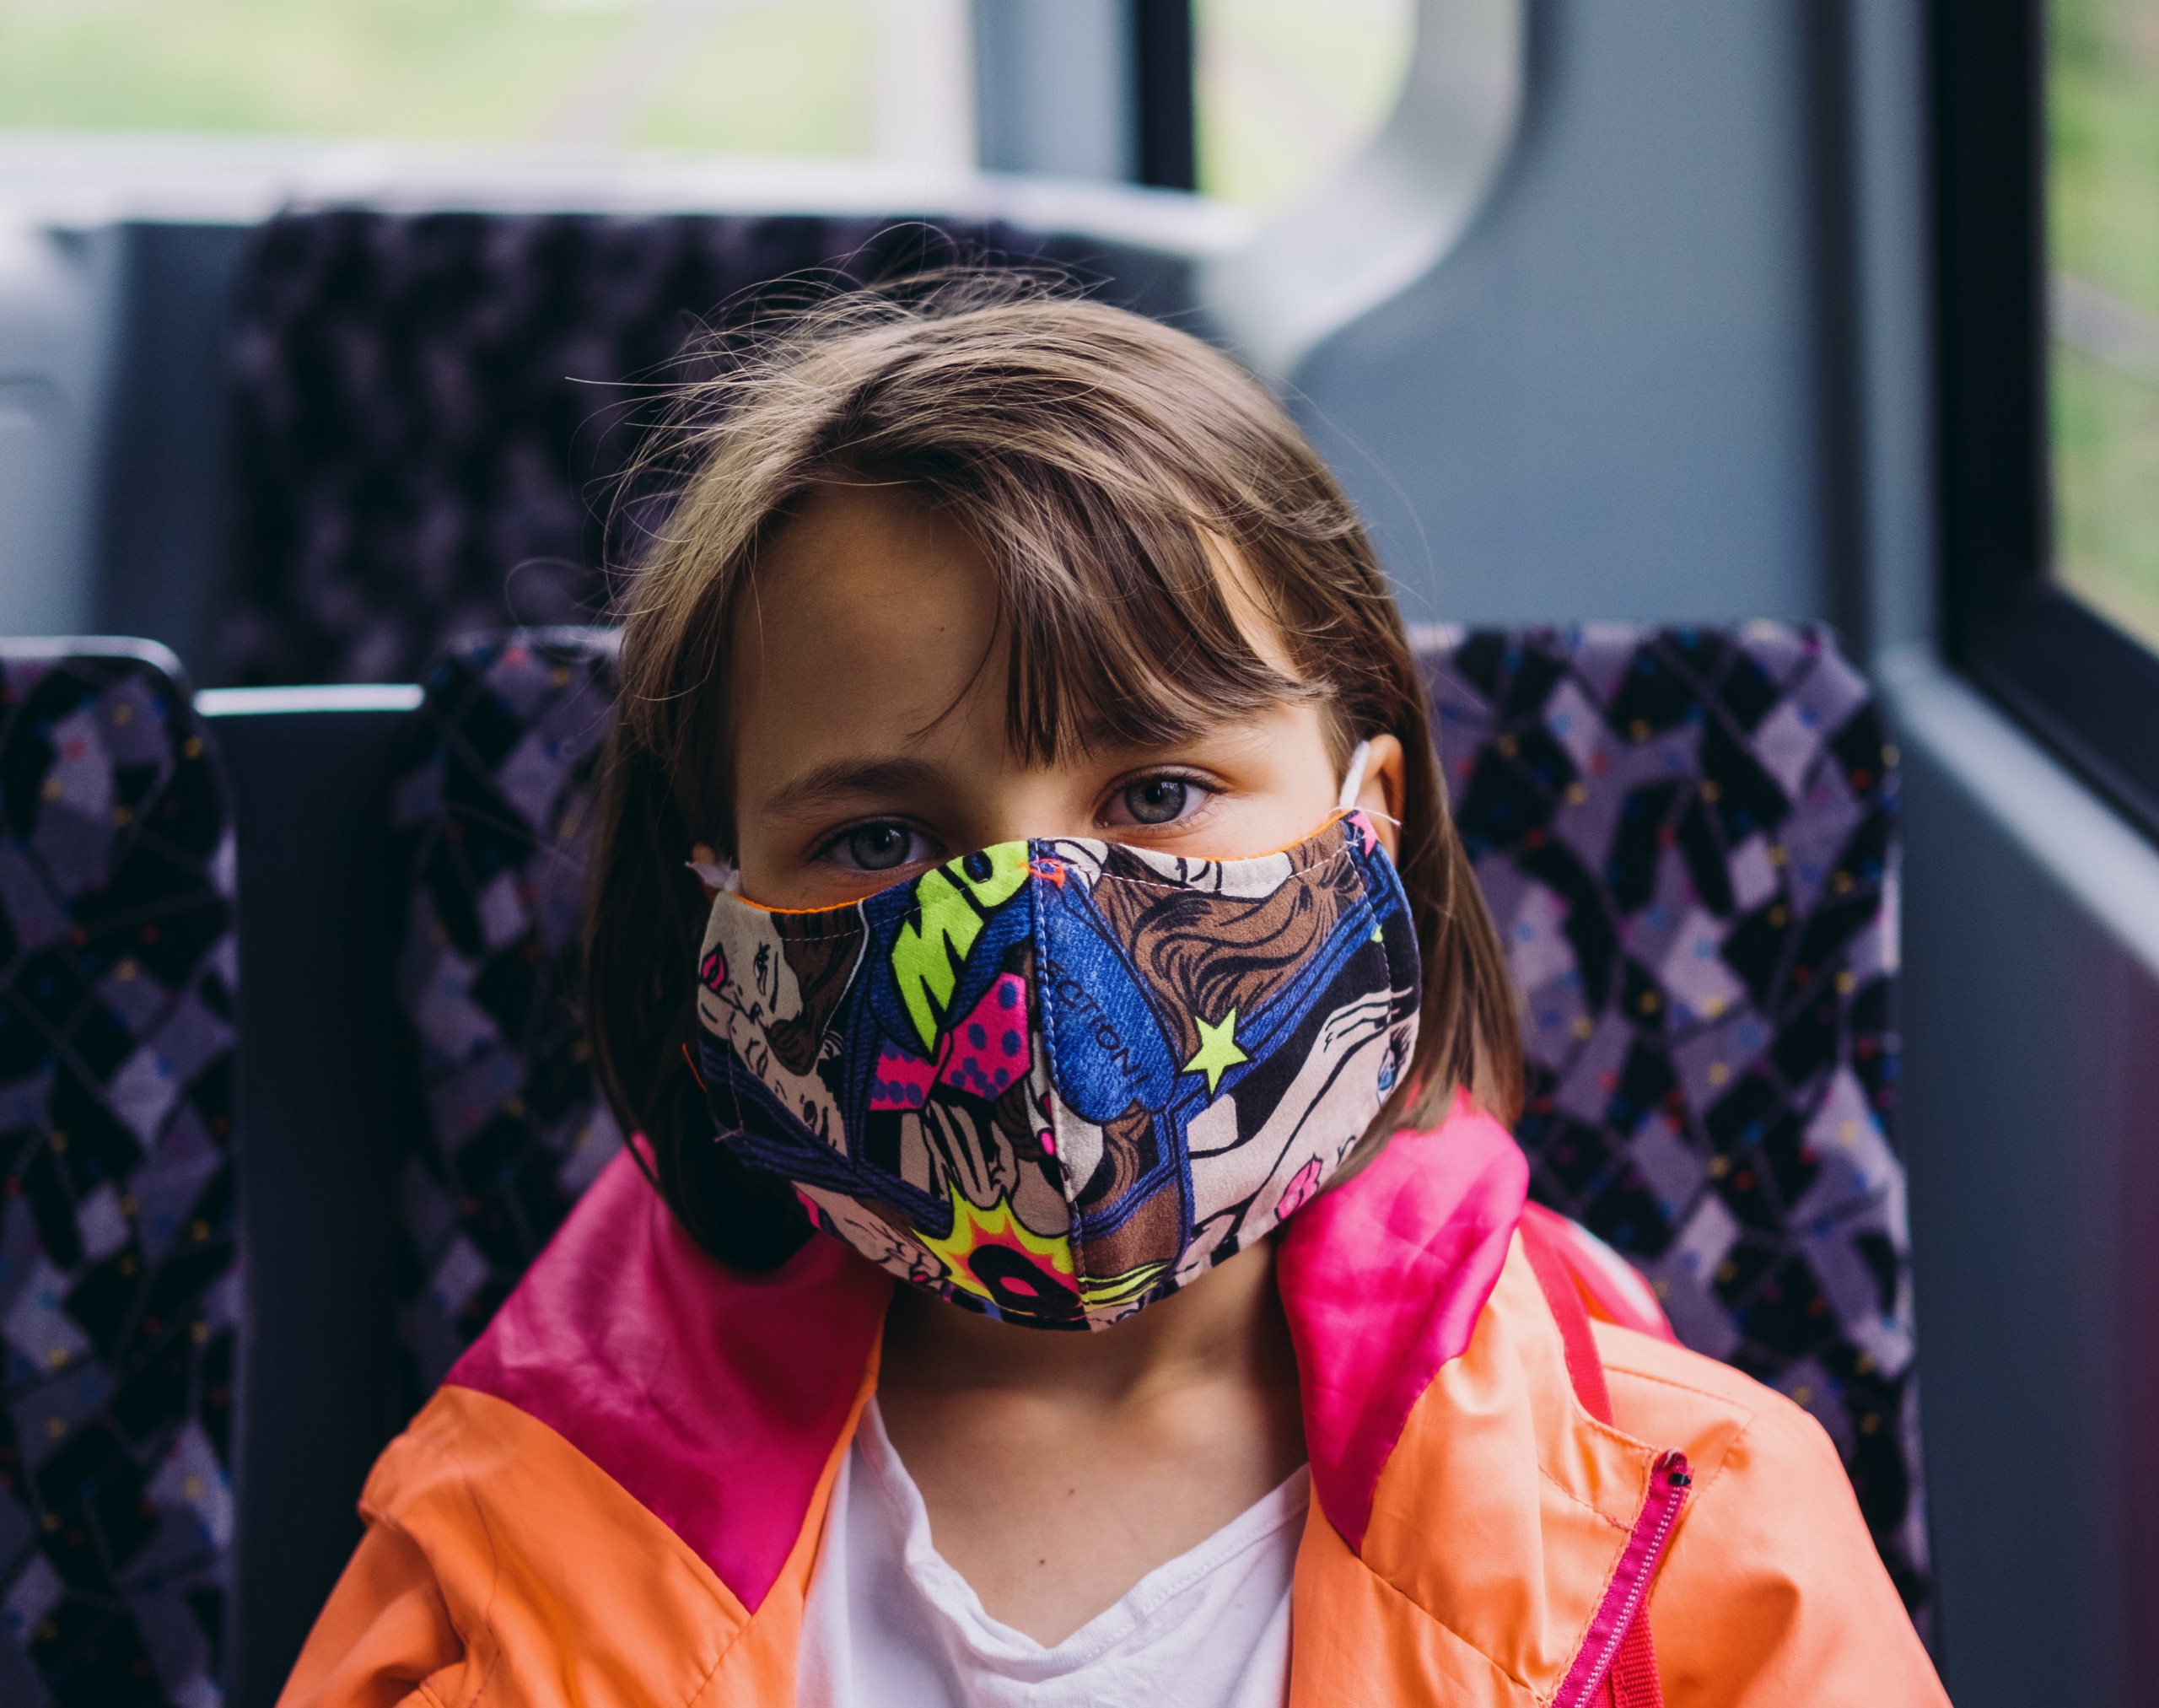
(1165, 93)
(2086, 689)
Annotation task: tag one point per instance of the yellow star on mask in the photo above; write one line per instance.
(1218, 1050)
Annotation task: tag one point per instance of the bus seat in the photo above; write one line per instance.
(492, 809)
(1687, 838)
(432, 412)
(327, 1095)
(121, 1296)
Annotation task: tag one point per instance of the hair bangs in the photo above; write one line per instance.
(1122, 635)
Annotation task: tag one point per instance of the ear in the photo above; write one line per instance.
(1380, 798)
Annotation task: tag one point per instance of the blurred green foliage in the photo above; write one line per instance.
(2102, 123)
(2103, 217)
(1288, 89)
(753, 76)
(2106, 466)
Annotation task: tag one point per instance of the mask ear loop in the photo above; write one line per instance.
(1353, 783)
(721, 876)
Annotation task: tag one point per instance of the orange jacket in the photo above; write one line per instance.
(618, 1496)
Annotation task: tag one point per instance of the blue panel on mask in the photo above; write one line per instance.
(1107, 1050)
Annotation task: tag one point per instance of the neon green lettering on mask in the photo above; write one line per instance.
(927, 956)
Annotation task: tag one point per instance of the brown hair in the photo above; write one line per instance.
(1096, 456)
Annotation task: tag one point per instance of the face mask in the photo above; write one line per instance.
(1055, 1081)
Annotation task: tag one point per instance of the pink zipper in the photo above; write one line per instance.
(1629, 1587)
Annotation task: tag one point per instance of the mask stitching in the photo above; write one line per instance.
(1316, 866)
(1387, 954)
(1038, 932)
(1311, 871)
(1100, 878)
(735, 1100)
(858, 930)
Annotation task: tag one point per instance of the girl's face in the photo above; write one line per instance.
(870, 710)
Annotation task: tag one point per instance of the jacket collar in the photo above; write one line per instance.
(1382, 1280)
(715, 1398)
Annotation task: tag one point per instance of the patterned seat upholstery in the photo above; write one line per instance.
(492, 807)
(118, 1286)
(1686, 837)
(431, 410)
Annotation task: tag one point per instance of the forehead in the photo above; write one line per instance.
(867, 619)
(873, 625)
(867, 588)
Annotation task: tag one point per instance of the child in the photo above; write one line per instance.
(1086, 1262)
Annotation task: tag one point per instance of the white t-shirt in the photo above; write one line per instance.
(890, 1624)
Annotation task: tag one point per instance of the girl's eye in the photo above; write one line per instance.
(878, 847)
(1157, 800)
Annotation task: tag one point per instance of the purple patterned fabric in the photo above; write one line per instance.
(493, 805)
(433, 412)
(120, 1289)
(1687, 838)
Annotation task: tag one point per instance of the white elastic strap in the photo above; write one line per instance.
(724, 878)
(1353, 783)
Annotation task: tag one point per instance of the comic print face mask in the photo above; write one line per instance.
(1055, 1081)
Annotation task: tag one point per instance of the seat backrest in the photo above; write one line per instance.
(1687, 838)
(430, 410)
(326, 1091)
(492, 811)
(120, 1288)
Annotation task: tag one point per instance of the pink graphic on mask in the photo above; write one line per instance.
(902, 1080)
(983, 1054)
(1299, 1188)
(987, 1050)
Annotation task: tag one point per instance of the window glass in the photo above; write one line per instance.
(1289, 89)
(767, 76)
(2103, 208)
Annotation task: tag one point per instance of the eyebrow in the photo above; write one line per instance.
(840, 781)
(826, 785)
